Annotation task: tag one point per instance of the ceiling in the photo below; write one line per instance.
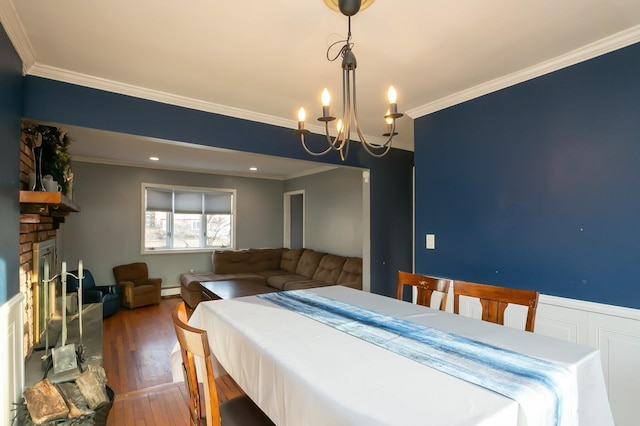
(262, 60)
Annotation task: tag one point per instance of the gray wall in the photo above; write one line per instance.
(106, 232)
(333, 209)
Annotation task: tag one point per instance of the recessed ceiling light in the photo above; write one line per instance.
(154, 158)
(253, 169)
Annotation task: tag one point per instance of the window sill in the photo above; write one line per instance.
(183, 251)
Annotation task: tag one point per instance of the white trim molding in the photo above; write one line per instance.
(11, 356)
(590, 51)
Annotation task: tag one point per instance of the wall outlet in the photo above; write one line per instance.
(430, 241)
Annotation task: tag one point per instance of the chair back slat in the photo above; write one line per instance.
(196, 356)
(495, 299)
(425, 286)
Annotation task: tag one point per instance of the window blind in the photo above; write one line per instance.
(217, 203)
(188, 202)
(159, 200)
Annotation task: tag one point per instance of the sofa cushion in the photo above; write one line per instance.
(264, 259)
(351, 273)
(329, 268)
(280, 281)
(309, 262)
(230, 261)
(290, 259)
(268, 274)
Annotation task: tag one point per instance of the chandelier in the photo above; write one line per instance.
(341, 141)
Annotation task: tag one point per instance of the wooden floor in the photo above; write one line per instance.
(136, 346)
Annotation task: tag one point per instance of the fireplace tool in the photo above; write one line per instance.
(65, 357)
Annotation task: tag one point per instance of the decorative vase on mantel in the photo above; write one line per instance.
(37, 160)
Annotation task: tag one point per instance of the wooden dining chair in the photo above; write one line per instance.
(495, 299)
(425, 285)
(194, 347)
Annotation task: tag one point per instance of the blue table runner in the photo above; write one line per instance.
(546, 391)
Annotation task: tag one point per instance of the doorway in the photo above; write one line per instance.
(294, 237)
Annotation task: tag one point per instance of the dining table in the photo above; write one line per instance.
(339, 356)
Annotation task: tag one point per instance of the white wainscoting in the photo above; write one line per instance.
(11, 356)
(612, 329)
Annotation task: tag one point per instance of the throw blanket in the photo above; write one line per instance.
(546, 392)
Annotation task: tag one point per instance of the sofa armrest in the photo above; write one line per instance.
(155, 281)
(93, 295)
(126, 284)
(108, 289)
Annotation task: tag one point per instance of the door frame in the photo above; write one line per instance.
(286, 239)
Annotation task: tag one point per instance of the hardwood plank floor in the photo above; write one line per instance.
(136, 348)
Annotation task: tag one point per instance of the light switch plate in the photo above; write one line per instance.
(430, 241)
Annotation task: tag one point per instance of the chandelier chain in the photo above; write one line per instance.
(347, 46)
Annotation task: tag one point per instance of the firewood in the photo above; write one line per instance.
(92, 384)
(75, 400)
(44, 402)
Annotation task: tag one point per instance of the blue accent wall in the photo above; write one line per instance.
(537, 185)
(391, 176)
(10, 113)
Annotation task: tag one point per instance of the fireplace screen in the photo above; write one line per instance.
(44, 303)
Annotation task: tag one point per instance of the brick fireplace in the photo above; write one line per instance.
(34, 228)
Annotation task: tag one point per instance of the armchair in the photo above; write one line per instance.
(136, 288)
(108, 295)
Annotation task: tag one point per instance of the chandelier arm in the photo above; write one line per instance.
(369, 148)
(346, 108)
(333, 142)
(345, 152)
(365, 143)
(344, 141)
(306, 148)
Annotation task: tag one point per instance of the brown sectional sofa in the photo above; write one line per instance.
(279, 268)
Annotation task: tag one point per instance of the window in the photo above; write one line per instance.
(187, 219)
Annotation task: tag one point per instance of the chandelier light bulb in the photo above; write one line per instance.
(326, 97)
(301, 117)
(339, 126)
(392, 95)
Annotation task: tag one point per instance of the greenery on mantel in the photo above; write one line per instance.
(56, 160)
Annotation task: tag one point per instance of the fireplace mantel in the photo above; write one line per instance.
(46, 203)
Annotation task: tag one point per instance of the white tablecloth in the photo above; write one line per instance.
(302, 372)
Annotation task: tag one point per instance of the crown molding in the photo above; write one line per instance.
(590, 51)
(99, 83)
(93, 82)
(17, 35)
(13, 26)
